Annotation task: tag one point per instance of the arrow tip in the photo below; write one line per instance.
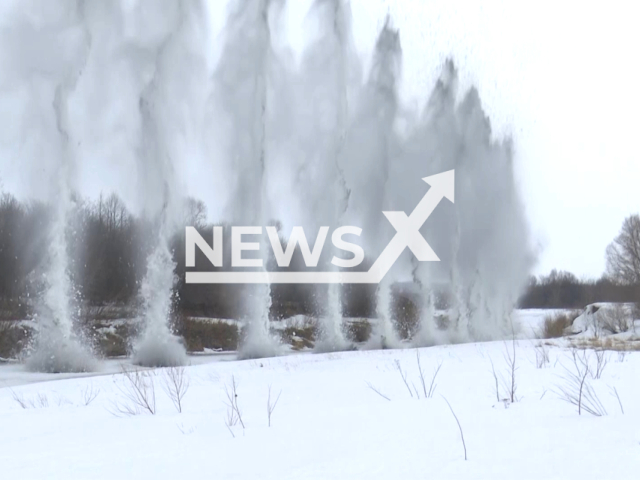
(445, 182)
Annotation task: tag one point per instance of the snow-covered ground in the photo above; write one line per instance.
(339, 416)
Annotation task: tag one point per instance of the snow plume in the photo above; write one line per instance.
(483, 239)
(245, 80)
(163, 42)
(43, 52)
(370, 143)
(124, 83)
(127, 83)
(142, 110)
(312, 140)
(348, 150)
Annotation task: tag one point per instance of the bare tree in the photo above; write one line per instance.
(497, 379)
(42, 400)
(39, 401)
(508, 381)
(577, 390)
(623, 254)
(20, 400)
(378, 391)
(542, 355)
(138, 391)
(234, 414)
(89, 394)
(432, 386)
(271, 405)
(464, 445)
(510, 358)
(614, 392)
(602, 359)
(176, 384)
(403, 374)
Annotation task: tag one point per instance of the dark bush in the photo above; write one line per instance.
(205, 333)
(14, 337)
(358, 331)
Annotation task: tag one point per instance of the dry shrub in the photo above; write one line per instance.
(615, 319)
(613, 344)
(555, 325)
(359, 331)
(112, 340)
(407, 316)
(138, 393)
(111, 345)
(542, 356)
(106, 313)
(302, 336)
(116, 344)
(39, 401)
(176, 385)
(577, 389)
(14, 337)
(234, 413)
(200, 334)
(271, 405)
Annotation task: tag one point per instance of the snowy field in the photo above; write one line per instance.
(339, 416)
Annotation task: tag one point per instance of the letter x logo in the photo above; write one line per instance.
(408, 227)
(407, 235)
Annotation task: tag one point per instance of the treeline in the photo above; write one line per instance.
(104, 249)
(565, 290)
(108, 247)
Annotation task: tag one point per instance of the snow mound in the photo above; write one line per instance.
(600, 319)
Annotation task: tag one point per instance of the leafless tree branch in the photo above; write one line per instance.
(138, 391)
(378, 391)
(234, 415)
(271, 406)
(403, 374)
(89, 394)
(464, 445)
(176, 385)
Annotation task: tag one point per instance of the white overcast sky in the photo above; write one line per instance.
(560, 77)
